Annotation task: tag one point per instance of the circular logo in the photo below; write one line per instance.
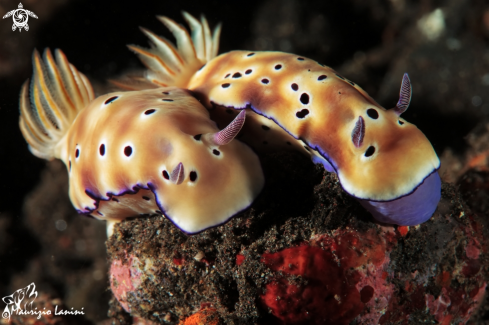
(20, 17)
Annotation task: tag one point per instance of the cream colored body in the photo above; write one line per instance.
(296, 103)
(137, 153)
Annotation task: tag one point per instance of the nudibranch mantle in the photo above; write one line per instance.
(137, 153)
(292, 102)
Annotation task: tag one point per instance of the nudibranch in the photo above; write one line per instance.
(293, 102)
(135, 153)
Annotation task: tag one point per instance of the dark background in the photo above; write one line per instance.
(370, 42)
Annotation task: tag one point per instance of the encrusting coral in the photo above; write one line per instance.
(305, 253)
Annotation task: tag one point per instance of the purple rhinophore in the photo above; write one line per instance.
(404, 95)
(358, 132)
(229, 132)
(409, 210)
(178, 174)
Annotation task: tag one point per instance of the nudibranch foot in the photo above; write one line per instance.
(409, 210)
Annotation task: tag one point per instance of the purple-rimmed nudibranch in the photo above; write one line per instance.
(138, 152)
(293, 102)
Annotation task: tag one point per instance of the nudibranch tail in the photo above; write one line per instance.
(170, 65)
(57, 93)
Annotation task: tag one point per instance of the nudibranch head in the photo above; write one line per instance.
(148, 152)
(385, 156)
(390, 165)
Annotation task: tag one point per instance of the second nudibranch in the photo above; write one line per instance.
(384, 161)
(138, 153)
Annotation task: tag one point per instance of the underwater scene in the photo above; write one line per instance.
(261, 162)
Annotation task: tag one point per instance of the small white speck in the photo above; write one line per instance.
(476, 101)
(61, 225)
(199, 256)
(337, 298)
(432, 25)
